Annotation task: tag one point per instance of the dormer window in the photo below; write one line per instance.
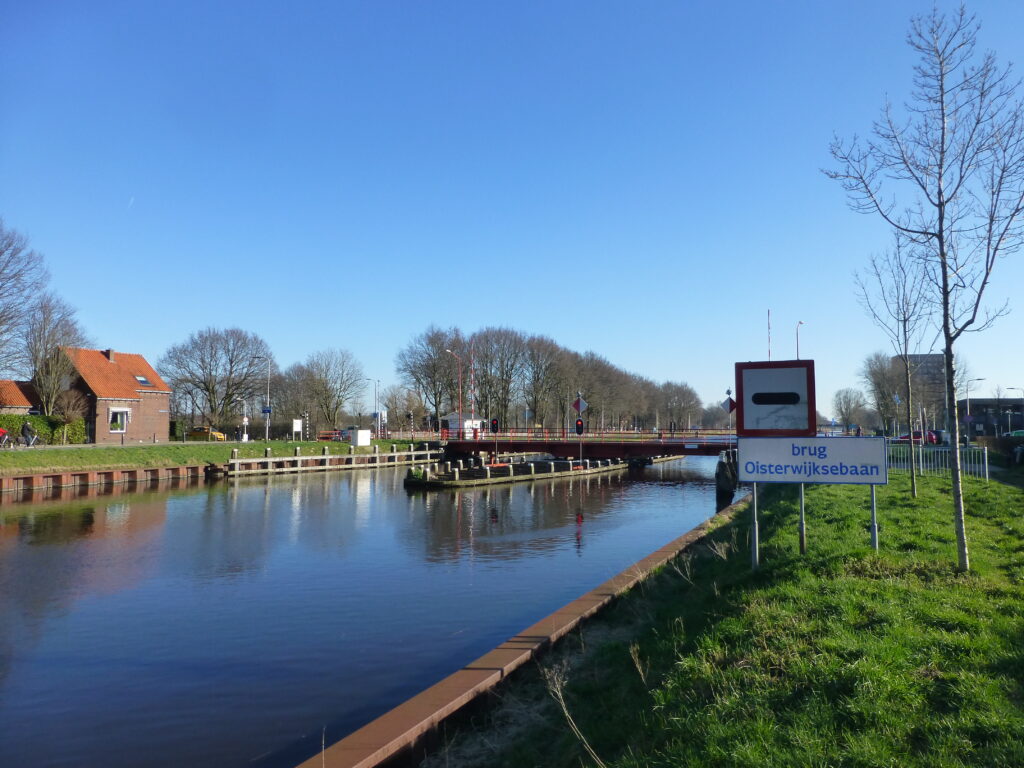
(143, 381)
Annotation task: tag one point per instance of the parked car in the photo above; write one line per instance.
(929, 438)
(1015, 433)
(205, 433)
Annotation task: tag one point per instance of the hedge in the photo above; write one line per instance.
(47, 427)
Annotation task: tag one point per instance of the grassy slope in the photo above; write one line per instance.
(840, 658)
(27, 461)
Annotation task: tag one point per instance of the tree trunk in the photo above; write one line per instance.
(910, 427)
(963, 559)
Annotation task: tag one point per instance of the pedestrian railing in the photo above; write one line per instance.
(934, 459)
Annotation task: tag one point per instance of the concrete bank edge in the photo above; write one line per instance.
(402, 726)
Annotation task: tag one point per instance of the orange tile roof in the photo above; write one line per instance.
(115, 379)
(16, 394)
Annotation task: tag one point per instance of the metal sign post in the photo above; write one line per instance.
(803, 523)
(874, 521)
(755, 541)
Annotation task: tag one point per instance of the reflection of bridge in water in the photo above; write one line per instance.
(604, 445)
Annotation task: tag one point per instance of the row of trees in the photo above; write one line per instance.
(890, 382)
(220, 376)
(946, 175)
(527, 380)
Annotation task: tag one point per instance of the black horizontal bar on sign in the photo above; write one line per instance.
(776, 398)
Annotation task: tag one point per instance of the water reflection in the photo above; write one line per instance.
(246, 613)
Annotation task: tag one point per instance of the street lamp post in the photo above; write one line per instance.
(798, 339)
(967, 387)
(376, 408)
(461, 421)
(266, 419)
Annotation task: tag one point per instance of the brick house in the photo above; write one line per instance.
(16, 397)
(128, 401)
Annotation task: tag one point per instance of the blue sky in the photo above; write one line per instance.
(637, 179)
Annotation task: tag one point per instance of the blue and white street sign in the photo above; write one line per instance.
(823, 460)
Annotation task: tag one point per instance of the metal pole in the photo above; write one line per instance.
(803, 523)
(462, 422)
(755, 549)
(874, 520)
(266, 416)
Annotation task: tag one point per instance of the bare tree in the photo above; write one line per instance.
(425, 365)
(713, 416)
(950, 177)
(500, 355)
(539, 376)
(894, 293)
(216, 370)
(22, 276)
(680, 402)
(849, 405)
(402, 401)
(882, 382)
(50, 327)
(335, 377)
(70, 406)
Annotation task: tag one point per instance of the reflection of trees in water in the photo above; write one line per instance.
(52, 555)
(506, 521)
(56, 528)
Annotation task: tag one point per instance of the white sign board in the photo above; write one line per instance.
(775, 398)
(828, 460)
(296, 425)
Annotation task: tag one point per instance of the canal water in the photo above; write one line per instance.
(238, 624)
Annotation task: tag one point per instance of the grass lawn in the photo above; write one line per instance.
(842, 657)
(23, 461)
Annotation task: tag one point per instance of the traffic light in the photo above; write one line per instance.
(579, 426)
(494, 425)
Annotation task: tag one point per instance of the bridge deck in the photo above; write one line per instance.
(606, 446)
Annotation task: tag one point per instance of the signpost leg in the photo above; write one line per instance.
(803, 523)
(755, 549)
(874, 521)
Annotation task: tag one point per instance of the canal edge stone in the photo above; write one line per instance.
(401, 728)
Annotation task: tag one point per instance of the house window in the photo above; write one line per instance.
(119, 418)
(144, 381)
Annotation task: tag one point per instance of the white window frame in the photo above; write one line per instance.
(127, 420)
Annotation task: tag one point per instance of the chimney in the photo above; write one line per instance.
(109, 354)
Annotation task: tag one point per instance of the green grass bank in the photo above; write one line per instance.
(23, 461)
(841, 657)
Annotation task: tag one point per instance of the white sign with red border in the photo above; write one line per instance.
(775, 399)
